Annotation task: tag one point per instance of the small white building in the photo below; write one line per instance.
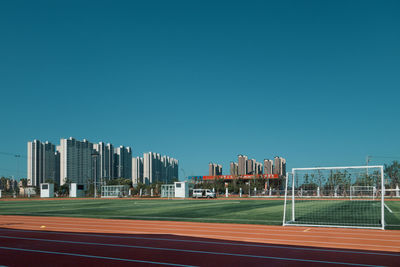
(76, 190)
(46, 190)
(181, 189)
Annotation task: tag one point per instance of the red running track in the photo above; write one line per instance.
(55, 241)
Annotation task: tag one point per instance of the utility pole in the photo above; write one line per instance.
(18, 157)
(94, 157)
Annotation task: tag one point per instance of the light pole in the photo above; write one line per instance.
(184, 173)
(367, 161)
(166, 173)
(94, 157)
(17, 156)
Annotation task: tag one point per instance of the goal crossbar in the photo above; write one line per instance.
(337, 168)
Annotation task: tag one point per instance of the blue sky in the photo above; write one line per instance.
(316, 82)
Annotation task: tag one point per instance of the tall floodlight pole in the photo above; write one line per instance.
(17, 157)
(94, 157)
(184, 173)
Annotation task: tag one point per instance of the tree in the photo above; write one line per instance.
(3, 183)
(392, 171)
(120, 181)
(63, 190)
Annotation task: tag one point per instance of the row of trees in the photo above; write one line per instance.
(343, 179)
(392, 173)
(235, 184)
(325, 181)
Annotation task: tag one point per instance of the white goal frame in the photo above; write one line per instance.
(292, 195)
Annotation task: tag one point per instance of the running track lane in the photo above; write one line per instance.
(301, 236)
(89, 249)
(203, 252)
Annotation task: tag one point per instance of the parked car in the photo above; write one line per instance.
(203, 193)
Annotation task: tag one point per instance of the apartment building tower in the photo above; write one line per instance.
(123, 162)
(214, 169)
(234, 168)
(41, 165)
(157, 168)
(105, 160)
(242, 164)
(251, 166)
(137, 170)
(279, 166)
(268, 166)
(75, 160)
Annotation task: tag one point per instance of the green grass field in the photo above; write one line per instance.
(266, 212)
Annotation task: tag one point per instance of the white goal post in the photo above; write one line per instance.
(349, 196)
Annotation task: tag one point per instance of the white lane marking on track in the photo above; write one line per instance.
(247, 239)
(148, 229)
(116, 217)
(92, 256)
(378, 233)
(191, 251)
(206, 242)
(315, 233)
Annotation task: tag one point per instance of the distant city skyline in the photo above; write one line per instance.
(80, 162)
(314, 82)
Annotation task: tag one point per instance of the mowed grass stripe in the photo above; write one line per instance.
(267, 212)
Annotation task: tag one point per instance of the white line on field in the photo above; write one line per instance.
(388, 209)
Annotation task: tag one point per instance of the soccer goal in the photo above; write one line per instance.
(335, 197)
(362, 192)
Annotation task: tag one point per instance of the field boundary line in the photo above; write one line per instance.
(386, 206)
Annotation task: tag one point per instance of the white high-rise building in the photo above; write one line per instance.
(106, 160)
(75, 160)
(41, 163)
(148, 162)
(137, 170)
(159, 168)
(123, 162)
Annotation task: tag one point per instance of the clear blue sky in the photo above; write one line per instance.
(316, 82)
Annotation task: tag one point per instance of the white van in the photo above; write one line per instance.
(197, 193)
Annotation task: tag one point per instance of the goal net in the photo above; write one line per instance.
(335, 197)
